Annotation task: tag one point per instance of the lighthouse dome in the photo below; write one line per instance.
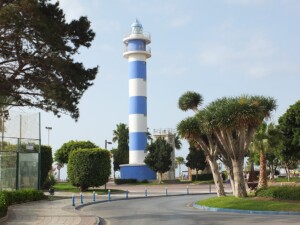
(136, 27)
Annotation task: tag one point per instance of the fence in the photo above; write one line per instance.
(19, 151)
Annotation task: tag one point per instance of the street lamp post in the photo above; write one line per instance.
(48, 128)
(107, 142)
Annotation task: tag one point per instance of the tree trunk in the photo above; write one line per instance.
(262, 182)
(231, 178)
(83, 188)
(180, 174)
(217, 178)
(160, 178)
(288, 174)
(272, 172)
(239, 181)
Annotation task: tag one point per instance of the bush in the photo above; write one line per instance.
(280, 192)
(62, 155)
(126, 181)
(202, 177)
(89, 168)
(3, 205)
(8, 198)
(21, 196)
(46, 165)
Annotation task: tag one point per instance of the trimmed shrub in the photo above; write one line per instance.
(280, 192)
(8, 198)
(62, 155)
(202, 177)
(89, 168)
(125, 181)
(46, 165)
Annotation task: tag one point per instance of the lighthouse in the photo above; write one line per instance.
(137, 52)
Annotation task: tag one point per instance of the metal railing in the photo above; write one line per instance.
(166, 131)
(147, 50)
(143, 35)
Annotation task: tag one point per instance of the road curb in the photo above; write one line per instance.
(205, 208)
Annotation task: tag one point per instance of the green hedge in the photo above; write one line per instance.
(126, 181)
(280, 192)
(3, 205)
(8, 198)
(208, 176)
(202, 177)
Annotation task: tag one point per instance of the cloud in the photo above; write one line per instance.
(244, 52)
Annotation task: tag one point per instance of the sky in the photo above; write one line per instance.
(216, 48)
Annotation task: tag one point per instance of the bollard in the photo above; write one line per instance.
(73, 200)
(146, 192)
(210, 188)
(81, 198)
(127, 194)
(166, 191)
(187, 190)
(94, 196)
(109, 198)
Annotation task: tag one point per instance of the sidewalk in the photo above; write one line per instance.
(57, 212)
(61, 212)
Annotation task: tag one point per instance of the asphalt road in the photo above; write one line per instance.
(176, 210)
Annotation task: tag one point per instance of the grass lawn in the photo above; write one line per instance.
(285, 179)
(251, 203)
(66, 186)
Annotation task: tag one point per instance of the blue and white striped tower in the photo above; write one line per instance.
(136, 52)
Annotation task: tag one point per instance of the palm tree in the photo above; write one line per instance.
(178, 143)
(179, 161)
(195, 129)
(190, 100)
(226, 127)
(122, 132)
(121, 153)
(260, 144)
(58, 167)
(234, 122)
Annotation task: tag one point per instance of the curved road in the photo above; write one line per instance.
(176, 210)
